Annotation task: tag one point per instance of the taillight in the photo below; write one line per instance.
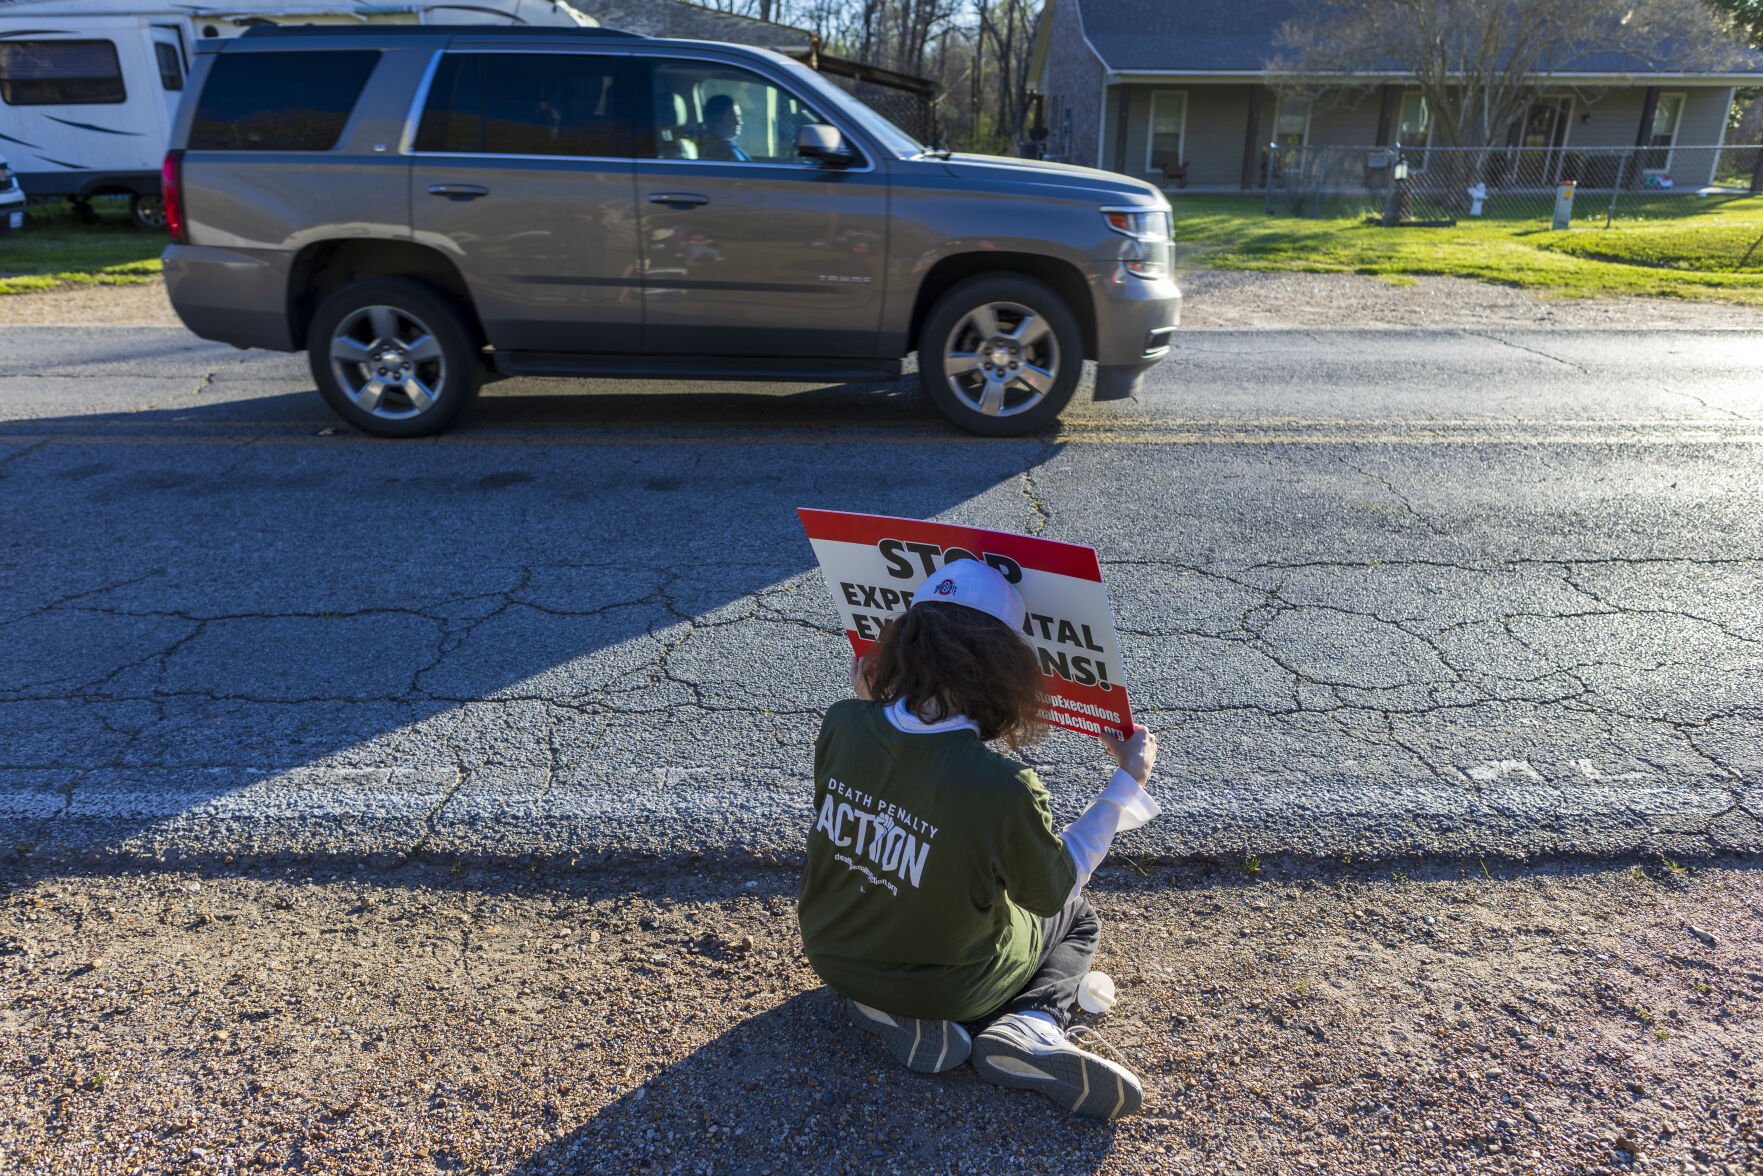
(171, 178)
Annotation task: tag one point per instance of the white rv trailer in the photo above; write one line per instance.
(89, 88)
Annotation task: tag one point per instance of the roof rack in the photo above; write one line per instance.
(468, 30)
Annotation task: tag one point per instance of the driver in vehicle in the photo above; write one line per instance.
(722, 130)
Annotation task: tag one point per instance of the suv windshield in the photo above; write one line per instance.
(891, 137)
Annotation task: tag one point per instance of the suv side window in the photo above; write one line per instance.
(709, 111)
(573, 104)
(279, 101)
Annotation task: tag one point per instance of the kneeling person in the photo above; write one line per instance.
(937, 899)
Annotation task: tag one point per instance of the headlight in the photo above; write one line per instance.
(1147, 253)
(5, 177)
(1141, 224)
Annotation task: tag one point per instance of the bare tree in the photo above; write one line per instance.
(977, 50)
(1006, 30)
(1481, 63)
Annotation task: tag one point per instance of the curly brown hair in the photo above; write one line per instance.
(948, 659)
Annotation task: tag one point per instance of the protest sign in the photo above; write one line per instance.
(874, 564)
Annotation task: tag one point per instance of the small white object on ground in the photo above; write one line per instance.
(1096, 993)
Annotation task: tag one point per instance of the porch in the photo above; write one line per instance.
(1216, 138)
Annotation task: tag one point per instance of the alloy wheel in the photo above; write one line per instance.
(388, 362)
(1002, 359)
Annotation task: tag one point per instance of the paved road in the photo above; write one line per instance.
(1382, 592)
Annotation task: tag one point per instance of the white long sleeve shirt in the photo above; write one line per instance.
(1123, 804)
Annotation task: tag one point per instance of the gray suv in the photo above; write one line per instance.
(424, 208)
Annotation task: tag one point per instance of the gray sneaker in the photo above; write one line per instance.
(1027, 1053)
(929, 1047)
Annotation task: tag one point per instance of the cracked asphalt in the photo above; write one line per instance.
(1383, 593)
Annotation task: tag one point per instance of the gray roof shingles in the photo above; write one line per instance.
(1171, 34)
(1230, 36)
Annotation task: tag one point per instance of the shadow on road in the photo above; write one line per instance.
(229, 621)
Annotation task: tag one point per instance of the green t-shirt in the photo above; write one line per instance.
(929, 859)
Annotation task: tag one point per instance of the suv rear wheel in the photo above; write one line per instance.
(392, 356)
(1000, 355)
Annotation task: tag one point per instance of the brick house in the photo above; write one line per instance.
(1178, 92)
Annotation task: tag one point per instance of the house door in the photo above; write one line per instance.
(1539, 137)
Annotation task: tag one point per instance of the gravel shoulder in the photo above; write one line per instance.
(1238, 299)
(1551, 1019)
(1228, 299)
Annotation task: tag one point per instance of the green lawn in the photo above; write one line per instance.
(56, 250)
(1670, 246)
(1682, 247)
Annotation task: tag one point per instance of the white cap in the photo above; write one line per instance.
(976, 585)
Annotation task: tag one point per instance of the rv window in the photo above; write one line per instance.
(171, 70)
(59, 73)
(530, 104)
(279, 101)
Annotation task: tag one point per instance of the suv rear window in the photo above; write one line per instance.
(57, 73)
(530, 104)
(279, 101)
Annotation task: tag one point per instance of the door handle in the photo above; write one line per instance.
(678, 199)
(458, 191)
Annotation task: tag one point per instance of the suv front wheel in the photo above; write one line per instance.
(1000, 355)
(393, 357)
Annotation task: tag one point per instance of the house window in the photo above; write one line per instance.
(1663, 136)
(1414, 131)
(1169, 117)
(1414, 127)
(1291, 126)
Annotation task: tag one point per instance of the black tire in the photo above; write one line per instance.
(448, 373)
(1032, 381)
(148, 212)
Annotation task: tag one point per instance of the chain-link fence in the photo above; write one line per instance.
(1449, 185)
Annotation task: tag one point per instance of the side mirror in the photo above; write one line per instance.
(825, 145)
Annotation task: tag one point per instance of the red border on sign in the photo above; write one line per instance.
(1042, 555)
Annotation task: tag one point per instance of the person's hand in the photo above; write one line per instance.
(1135, 754)
(860, 678)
